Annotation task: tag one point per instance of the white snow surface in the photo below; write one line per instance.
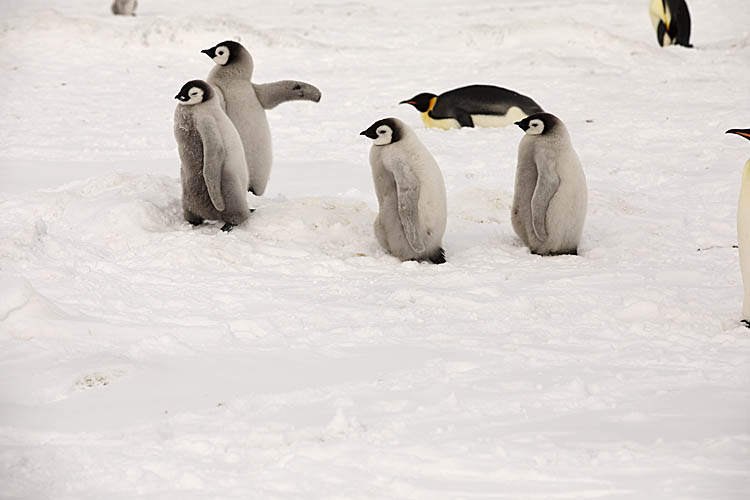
(292, 358)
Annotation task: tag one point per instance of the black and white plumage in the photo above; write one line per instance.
(473, 105)
(410, 190)
(246, 103)
(213, 171)
(550, 194)
(671, 20)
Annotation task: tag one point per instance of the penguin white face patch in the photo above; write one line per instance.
(385, 135)
(536, 127)
(222, 55)
(195, 96)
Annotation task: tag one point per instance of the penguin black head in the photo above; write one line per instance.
(420, 101)
(226, 52)
(385, 131)
(744, 132)
(194, 92)
(538, 123)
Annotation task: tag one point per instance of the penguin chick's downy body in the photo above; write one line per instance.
(743, 229)
(411, 194)
(671, 20)
(213, 172)
(475, 105)
(245, 103)
(124, 7)
(549, 200)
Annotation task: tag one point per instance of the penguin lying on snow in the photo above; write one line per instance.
(245, 102)
(743, 229)
(475, 105)
(671, 20)
(411, 194)
(213, 171)
(549, 199)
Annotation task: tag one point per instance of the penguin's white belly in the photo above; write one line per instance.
(513, 115)
(249, 117)
(743, 237)
(656, 12)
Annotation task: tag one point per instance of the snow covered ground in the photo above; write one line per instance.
(292, 358)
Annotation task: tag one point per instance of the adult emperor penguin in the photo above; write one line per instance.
(410, 191)
(475, 105)
(743, 229)
(549, 200)
(671, 20)
(245, 103)
(213, 171)
(124, 7)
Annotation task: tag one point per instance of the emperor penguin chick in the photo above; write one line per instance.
(124, 7)
(549, 200)
(246, 103)
(411, 194)
(213, 171)
(743, 229)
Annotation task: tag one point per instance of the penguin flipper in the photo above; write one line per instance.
(213, 159)
(407, 187)
(547, 183)
(272, 94)
(464, 119)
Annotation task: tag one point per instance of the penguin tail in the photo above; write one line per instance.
(437, 257)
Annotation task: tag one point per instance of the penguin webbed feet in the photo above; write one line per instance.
(228, 226)
(745, 323)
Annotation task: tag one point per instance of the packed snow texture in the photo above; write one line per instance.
(292, 358)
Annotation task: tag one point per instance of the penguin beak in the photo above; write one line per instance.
(408, 102)
(207, 52)
(177, 96)
(521, 125)
(742, 132)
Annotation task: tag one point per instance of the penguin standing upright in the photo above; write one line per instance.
(411, 193)
(474, 105)
(671, 20)
(246, 103)
(212, 170)
(743, 229)
(550, 195)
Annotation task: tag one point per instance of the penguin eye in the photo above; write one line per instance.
(220, 52)
(381, 132)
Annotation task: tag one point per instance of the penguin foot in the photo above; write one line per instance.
(437, 257)
(252, 210)
(194, 221)
(227, 227)
(745, 323)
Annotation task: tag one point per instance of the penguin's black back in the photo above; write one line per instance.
(679, 28)
(482, 100)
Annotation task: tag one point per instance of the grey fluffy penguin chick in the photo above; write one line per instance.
(124, 7)
(246, 103)
(550, 196)
(410, 190)
(213, 171)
